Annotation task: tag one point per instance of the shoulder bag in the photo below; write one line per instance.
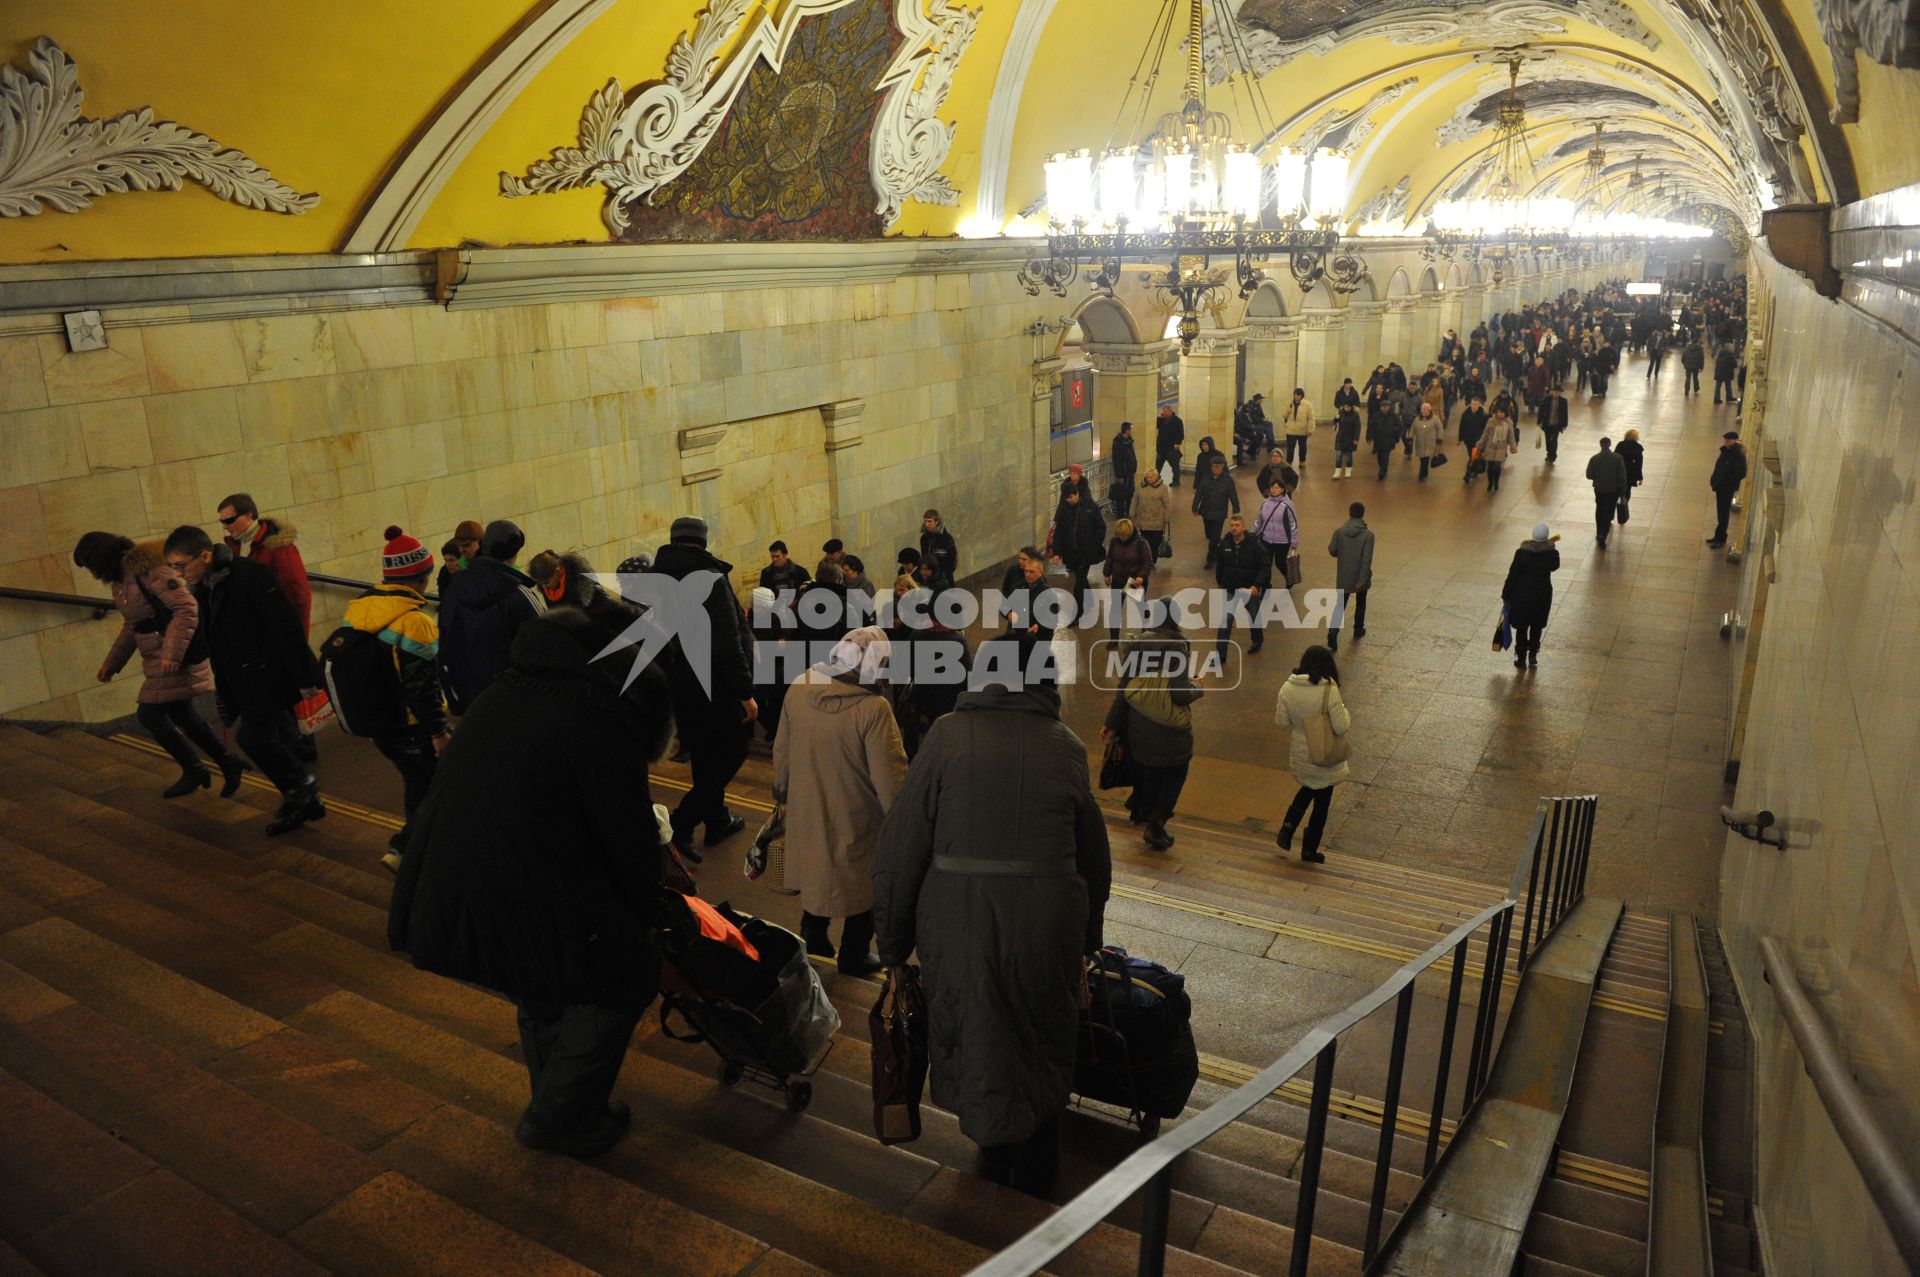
(1325, 747)
(897, 1027)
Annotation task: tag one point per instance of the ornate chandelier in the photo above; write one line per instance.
(1512, 158)
(1188, 189)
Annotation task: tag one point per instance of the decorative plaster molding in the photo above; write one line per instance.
(53, 157)
(1120, 361)
(1273, 330)
(635, 148)
(909, 144)
(389, 219)
(1003, 110)
(1496, 23)
(1888, 31)
(699, 448)
(843, 423)
(1347, 129)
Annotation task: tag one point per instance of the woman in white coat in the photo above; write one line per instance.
(1312, 689)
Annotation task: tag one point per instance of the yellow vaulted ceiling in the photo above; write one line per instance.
(331, 96)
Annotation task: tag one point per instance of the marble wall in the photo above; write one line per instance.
(803, 412)
(1832, 746)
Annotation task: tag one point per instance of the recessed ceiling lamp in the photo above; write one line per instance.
(1188, 189)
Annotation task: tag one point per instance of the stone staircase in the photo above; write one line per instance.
(209, 1060)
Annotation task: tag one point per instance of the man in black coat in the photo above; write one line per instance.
(1079, 538)
(262, 665)
(534, 868)
(1729, 472)
(1126, 464)
(715, 722)
(1168, 434)
(485, 605)
(1240, 563)
(781, 572)
(1553, 420)
(1725, 364)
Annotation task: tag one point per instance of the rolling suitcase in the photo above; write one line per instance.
(1136, 1048)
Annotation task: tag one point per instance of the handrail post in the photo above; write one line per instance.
(1540, 840)
(1591, 810)
(1489, 1000)
(1563, 868)
(1446, 1056)
(1158, 1209)
(1310, 1160)
(1497, 942)
(1383, 1164)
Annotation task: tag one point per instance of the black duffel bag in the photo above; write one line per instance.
(1136, 1047)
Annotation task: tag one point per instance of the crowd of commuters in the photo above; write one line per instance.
(952, 820)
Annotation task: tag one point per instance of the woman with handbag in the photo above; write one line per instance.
(1279, 531)
(1311, 708)
(837, 764)
(1152, 715)
(160, 619)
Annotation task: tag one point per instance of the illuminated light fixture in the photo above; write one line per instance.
(1512, 158)
(1188, 189)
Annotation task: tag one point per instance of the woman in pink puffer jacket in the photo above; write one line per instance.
(160, 619)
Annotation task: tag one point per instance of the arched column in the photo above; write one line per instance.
(1208, 382)
(1426, 329)
(1396, 339)
(1126, 387)
(1360, 350)
(1273, 359)
(1046, 379)
(1320, 334)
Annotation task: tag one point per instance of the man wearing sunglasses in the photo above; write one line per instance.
(262, 665)
(270, 543)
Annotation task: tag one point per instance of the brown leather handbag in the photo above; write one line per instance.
(897, 1027)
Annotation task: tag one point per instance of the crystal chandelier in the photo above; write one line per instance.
(1188, 189)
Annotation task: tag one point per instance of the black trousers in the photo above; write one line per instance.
(1553, 443)
(1253, 626)
(1383, 458)
(1493, 475)
(1153, 541)
(1213, 528)
(1526, 638)
(1723, 511)
(1352, 603)
(176, 726)
(1297, 448)
(716, 737)
(1123, 500)
(1604, 505)
(1424, 463)
(411, 753)
(1692, 385)
(264, 738)
(1719, 382)
(1167, 456)
(1653, 368)
(1029, 1166)
(1156, 791)
(573, 1055)
(1321, 799)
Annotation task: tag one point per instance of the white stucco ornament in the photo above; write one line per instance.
(633, 148)
(51, 156)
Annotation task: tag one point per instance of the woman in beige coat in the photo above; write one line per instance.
(837, 763)
(1311, 690)
(1152, 509)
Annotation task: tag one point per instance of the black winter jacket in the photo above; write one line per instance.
(1528, 592)
(941, 547)
(1126, 463)
(484, 607)
(258, 648)
(1729, 469)
(1079, 534)
(732, 676)
(533, 867)
(1240, 564)
(788, 576)
(1215, 496)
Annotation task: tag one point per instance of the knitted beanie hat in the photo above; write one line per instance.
(404, 558)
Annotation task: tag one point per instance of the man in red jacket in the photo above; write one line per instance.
(270, 543)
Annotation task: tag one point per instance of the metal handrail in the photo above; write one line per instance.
(99, 606)
(1152, 1163)
(1551, 874)
(348, 583)
(1889, 1180)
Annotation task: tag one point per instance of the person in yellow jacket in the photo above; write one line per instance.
(396, 610)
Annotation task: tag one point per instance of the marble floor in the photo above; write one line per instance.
(1452, 745)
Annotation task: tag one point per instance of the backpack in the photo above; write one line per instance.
(363, 682)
